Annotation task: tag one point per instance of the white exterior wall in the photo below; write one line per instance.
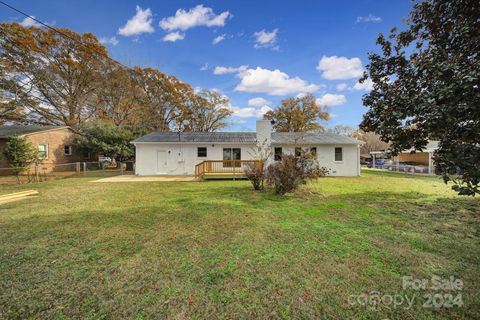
(349, 166)
(183, 157)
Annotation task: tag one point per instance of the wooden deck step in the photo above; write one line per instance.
(224, 175)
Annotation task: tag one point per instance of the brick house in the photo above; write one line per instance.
(55, 144)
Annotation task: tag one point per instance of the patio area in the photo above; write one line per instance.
(133, 178)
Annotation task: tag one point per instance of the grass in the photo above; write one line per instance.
(220, 250)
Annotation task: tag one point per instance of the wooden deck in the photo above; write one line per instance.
(224, 169)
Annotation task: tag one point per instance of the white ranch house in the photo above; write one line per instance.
(188, 153)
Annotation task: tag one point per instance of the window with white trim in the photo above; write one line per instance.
(43, 151)
(202, 152)
(338, 154)
(68, 150)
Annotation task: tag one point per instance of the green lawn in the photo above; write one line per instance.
(217, 249)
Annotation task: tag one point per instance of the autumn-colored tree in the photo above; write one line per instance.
(10, 85)
(60, 70)
(64, 78)
(298, 114)
(117, 98)
(207, 112)
(10, 111)
(372, 141)
(162, 98)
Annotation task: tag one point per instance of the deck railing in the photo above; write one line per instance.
(233, 168)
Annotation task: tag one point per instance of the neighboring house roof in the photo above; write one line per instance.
(246, 137)
(430, 147)
(6, 131)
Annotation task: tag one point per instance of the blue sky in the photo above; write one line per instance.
(269, 50)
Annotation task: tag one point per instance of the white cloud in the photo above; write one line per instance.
(265, 109)
(174, 36)
(140, 23)
(258, 102)
(195, 17)
(204, 67)
(341, 86)
(369, 18)
(227, 70)
(249, 111)
(265, 39)
(367, 85)
(340, 68)
(272, 82)
(329, 100)
(29, 22)
(218, 39)
(112, 40)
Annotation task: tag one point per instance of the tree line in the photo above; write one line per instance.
(61, 77)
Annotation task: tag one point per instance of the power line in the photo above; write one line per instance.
(60, 32)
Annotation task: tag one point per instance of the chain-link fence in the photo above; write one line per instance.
(404, 168)
(44, 172)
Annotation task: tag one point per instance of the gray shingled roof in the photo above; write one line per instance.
(6, 131)
(247, 137)
(312, 138)
(198, 137)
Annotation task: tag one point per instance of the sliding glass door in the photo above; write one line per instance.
(232, 154)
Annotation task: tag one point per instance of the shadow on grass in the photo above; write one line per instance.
(223, 242)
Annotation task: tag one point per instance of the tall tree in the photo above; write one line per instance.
(427, 86)
(11, 109)
(60, 70)
(298, 114)
(162, 98)
(117, 98)
(207, 112)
